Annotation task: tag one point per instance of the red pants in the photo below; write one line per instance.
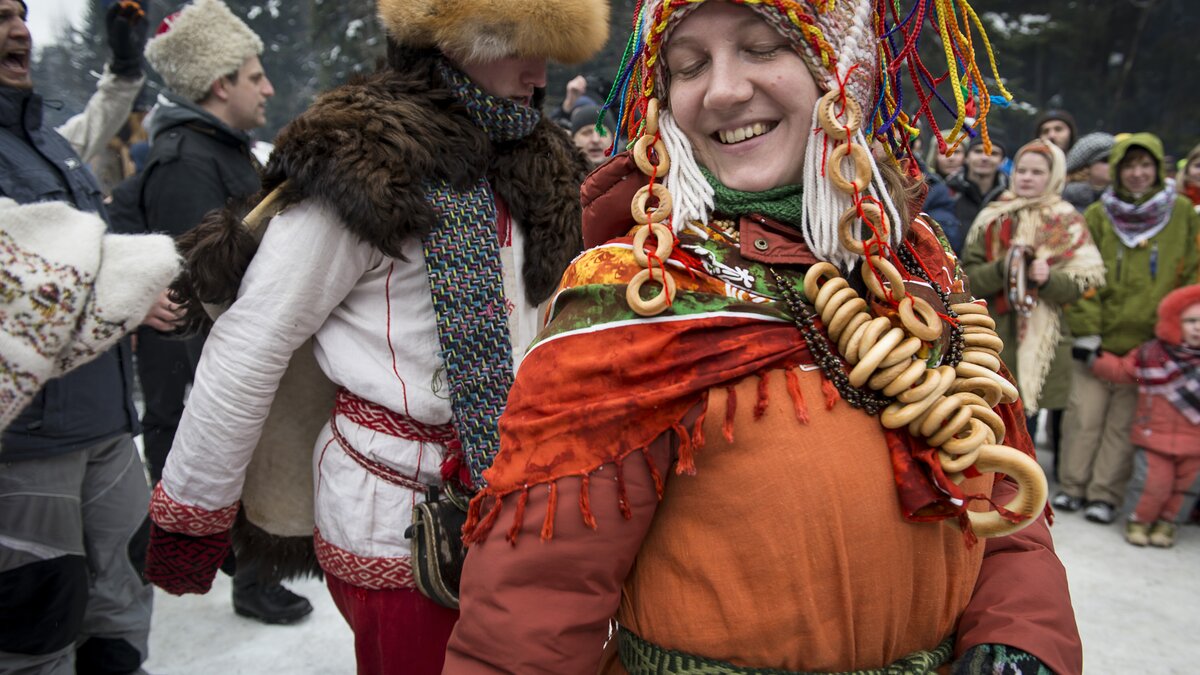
(1167, 481)
(395, 631)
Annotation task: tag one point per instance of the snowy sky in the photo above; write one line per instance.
(47, 16)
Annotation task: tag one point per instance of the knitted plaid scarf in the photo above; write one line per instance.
(462, 259)
(1172, 371)
(1135, 223)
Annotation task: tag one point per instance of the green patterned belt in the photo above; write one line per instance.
(643, 658)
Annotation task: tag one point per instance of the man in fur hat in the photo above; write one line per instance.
(423, 215)
(72, 489)
(199, 160)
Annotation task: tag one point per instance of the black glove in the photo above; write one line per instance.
(998, 660)
(127, 30)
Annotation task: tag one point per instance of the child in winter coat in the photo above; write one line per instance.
(1166, 429)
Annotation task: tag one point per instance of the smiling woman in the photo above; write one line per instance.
(758, 312)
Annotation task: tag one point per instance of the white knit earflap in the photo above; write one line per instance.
(691, 192)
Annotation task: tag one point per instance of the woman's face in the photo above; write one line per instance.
(948, 165)
(1192, 171)
(741, 95)
(1031, 175)
(1138, 172)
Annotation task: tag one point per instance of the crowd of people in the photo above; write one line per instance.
(721, 376)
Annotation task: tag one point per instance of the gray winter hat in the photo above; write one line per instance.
(1089, 149)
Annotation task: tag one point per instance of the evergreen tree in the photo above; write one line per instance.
(346, 40)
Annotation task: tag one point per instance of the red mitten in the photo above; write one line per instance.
(180, 563)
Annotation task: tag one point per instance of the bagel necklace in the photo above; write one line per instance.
(877, 360)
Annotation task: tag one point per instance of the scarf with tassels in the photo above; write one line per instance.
(462, 258)
(575, 407)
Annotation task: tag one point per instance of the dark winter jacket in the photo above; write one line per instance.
(92, 403)
(969, 201)
(940, 205)
(196, 164)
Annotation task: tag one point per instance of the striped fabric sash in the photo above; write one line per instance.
(645, 658)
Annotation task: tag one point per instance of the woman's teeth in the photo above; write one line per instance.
(747, 132)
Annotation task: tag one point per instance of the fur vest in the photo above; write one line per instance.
(367, 149)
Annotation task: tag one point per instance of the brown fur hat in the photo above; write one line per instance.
(566, 31)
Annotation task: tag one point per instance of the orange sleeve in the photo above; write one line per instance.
(544, 606)
(1021, 598)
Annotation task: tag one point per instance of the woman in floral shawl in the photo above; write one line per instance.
(730, 438)
(1029, 254)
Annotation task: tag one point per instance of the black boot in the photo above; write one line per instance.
(268, 602)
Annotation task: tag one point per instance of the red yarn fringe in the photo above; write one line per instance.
(490, 521)
(585, 502)
(551, 509)
(518, 517)
(798, 404)
(730, 409)
(687, 456)
(471, 531)
(622, 497)
(831, 393)
(658, 479)
(760, 406)
(698, 427)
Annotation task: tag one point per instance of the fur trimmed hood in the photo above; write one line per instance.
(367, 149)
(567, 31)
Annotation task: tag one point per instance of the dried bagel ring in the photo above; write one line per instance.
(662, 251)
(865, 338)
(1009, 392)
(828, 119)
(844, 317)
(641, 151)
(944, 420)
(870, 361)
(983, 387)
(903, 353)
(967, 308)
(657, 304)
(873, 215)
(638, 206)
(651, 128)
(889, 271)
(981, 358)
(813, 277)
(912, 373)
(1031, 490)
(862, 168)
(991, 341)
(920, 319)
(981, 320)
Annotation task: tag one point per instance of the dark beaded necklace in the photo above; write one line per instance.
(824, 352)
(957, 339)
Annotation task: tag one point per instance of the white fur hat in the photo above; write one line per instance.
(68, 292)
(198, 45)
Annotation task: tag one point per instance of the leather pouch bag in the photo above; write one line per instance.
(437, 548)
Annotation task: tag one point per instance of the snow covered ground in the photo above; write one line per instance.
(1138, 612)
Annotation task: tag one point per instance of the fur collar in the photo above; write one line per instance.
(367, 148)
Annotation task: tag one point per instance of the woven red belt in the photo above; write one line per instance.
(378, 418)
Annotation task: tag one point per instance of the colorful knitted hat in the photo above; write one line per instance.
(200, 44)
(566, 31)
(856, 49)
